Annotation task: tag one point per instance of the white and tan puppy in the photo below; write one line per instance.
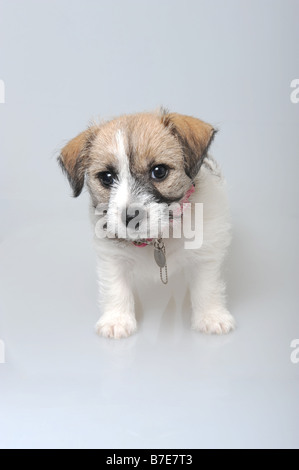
(151, 161)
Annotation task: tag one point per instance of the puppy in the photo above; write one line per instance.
(146, 174)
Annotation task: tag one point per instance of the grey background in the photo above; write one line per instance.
(228, 62)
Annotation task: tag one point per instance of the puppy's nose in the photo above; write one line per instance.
(131, 217)
(127, 217)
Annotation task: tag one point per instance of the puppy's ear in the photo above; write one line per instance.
(74, 159)
(195, 137)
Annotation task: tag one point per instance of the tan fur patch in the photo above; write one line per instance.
(195, 137)
(74, 158)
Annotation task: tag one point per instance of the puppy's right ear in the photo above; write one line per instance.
(74, 159)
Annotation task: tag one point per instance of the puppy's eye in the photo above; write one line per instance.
(159, 172)
(107, 178)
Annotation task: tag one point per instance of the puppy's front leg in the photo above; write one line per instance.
(209, 313)
(116, 298)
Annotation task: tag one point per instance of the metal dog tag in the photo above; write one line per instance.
(160, 257)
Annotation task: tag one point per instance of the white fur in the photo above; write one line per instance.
(121, 195)
(119, 266)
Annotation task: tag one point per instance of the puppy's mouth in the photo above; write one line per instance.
(138, 242)
(135, 237)
(143, 242)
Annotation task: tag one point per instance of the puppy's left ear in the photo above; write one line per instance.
(195, 137)
(74, 159)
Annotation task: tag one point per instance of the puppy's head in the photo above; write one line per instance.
(144, 160)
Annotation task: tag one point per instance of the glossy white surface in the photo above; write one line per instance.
(230, 63)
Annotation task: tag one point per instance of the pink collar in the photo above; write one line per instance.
(185, 200)
(187, 196)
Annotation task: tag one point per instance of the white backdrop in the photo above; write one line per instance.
(230, 63)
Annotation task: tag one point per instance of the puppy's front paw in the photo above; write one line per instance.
(116, 327)
(218, 322)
